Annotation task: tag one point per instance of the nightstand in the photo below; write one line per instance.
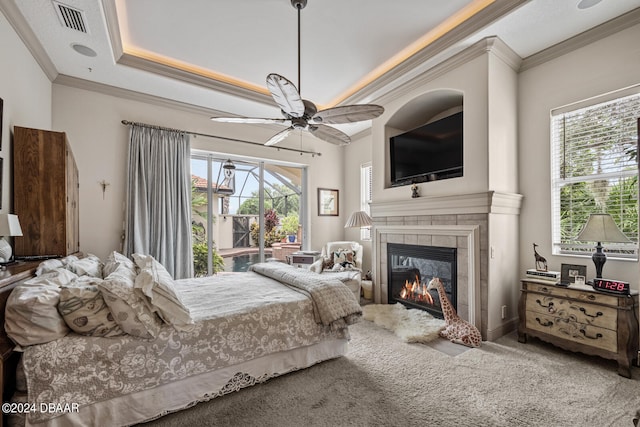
(578, 318)
(303, 259)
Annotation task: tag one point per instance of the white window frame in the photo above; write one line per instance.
(365, 196)
(617, 167)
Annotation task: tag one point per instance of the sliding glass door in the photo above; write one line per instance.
(244, 211)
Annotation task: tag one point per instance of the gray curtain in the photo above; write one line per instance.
(158, 209)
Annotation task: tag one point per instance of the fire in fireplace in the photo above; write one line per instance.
(411, 267)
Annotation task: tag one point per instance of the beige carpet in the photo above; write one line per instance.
(384, 381)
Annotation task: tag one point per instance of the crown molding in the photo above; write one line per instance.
(28, 37)
(192, 78)
(606, 29)
(118, 92)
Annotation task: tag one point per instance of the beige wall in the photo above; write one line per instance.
(26, 92)
(99, 141)
(601, 67)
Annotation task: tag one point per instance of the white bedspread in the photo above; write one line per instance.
(239, 317)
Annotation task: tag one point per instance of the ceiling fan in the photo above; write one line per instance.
(303, 114)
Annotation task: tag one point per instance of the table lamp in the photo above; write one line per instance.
(600, 228)
(359, 219)
(9, 226)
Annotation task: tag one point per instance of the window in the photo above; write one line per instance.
(595, 169)
(365, 197)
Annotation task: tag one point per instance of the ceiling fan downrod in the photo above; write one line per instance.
(299, 5)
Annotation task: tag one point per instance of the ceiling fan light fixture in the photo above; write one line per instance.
(303, 114)
(299, 4)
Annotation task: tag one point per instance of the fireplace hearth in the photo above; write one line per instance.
(411, 267)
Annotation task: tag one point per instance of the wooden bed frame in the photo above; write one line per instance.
(9, 279)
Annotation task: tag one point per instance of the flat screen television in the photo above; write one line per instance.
(428, 153)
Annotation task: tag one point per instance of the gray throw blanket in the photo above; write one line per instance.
(333, 303)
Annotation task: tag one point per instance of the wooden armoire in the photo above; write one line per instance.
(45, 193)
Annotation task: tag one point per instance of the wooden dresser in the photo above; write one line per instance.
(45, 193)
(581, 319)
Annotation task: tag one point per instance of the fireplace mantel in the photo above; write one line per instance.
(484, 203)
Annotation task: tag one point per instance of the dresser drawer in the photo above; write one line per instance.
(581, 333)
(573, 310)
(562, 292)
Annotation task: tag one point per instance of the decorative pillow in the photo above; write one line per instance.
(344, 257)
(31, 315)
(156, 283)
(130, 310)
(327, 263)
(87, 266)
(84, 311)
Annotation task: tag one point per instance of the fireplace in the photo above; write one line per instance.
(411, 267)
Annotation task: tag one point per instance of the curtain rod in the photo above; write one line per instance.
(128, 123)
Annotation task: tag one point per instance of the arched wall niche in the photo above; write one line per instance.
(426, 108)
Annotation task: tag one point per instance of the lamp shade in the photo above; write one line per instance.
(10, 225)
(601, 227)
(358, 219)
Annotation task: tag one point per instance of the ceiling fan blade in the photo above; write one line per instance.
(286, 95)
(329, 134)
(279, 136)
(348, 114)
(253, 120)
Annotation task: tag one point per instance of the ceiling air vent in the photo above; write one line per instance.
(70, 17)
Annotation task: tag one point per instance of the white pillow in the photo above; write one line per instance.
(87, 266)
(31, 315)
(48, 265)
(156, 283)
(114, 260)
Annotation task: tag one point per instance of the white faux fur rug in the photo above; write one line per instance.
(410, 325)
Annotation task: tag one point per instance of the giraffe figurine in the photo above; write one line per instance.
(456, 330)
(541, 262)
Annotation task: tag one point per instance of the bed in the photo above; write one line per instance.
(236, 330)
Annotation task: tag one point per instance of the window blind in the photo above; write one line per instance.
(595, 169)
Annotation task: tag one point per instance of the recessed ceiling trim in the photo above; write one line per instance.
(464, 30)
(70, 17)
(194, 78)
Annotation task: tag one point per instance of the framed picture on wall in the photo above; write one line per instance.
(327, 202)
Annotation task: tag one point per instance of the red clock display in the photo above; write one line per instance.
(612, 286)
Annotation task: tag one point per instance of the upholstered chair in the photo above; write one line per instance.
(343, 261)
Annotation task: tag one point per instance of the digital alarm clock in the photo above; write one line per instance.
(611, 286)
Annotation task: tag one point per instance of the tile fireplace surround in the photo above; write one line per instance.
(459, 222)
